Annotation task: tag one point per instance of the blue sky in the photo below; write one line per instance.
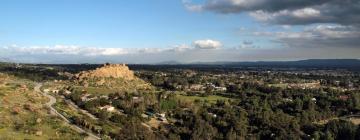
(114, 23)
(159, 26)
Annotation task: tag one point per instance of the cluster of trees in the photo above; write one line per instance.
(259, 111)
(260, 115)
(256, 111)
(127, 115)
(32, 73)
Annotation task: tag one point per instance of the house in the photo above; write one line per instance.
(108, 108)
(144, 115)
(161, 116)
(55, 91)
(196, 87)
(212, 114)
(85, 97)
(288, 100)
(344, 97)
(220, 88)
(104, 96)
(136, 99)
(46, 90)
(66, 92)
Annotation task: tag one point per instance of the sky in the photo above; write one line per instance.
(186, 31)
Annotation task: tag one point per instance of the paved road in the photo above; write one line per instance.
(52, 101)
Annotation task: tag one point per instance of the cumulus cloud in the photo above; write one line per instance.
(207, 44)
(318, 36)
(343, 15)
(66, 50)
(291, 12)
(247, 45)
(84, 54)
(180, 53)
(192, 7)
(181, 48)
(236, 6)
(286, 17)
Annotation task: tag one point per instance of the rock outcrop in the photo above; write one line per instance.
(110, 76)
(107, 71)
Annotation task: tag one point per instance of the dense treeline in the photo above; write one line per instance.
(32, 72)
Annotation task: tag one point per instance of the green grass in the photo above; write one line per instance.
(211, 98)
(279, 85)
(97, 90)
(23, 125)
(111, 85)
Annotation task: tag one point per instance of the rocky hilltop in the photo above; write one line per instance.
(111, 76)
(108, 71)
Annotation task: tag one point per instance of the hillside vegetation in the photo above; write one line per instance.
(23, 114)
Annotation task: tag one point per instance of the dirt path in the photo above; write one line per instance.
(355, 119)
(52, 101)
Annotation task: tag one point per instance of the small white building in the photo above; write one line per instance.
(161, 116)
(85, 97)
(220, 88)
(213, 115)
(46, 90)
(66, 92)
(108, 108)
(55, 91)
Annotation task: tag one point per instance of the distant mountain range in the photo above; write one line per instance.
(330, 63)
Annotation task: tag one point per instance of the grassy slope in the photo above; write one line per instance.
(211, 98)
(19, 122)
(113, 85)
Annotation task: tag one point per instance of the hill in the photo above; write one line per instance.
(111, 76)
(23, 114)
(108, 71)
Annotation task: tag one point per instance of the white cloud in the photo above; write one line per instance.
(306, 13)
(247, 45)
(246, 51)
(318, 36)
(181, 48)
(290, 12)
(192, 7)
(67, 50)
(207, 44)
(287, 16)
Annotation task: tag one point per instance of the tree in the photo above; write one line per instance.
(341, 129)
(103, 115)
(298, 105)
(203, 131)
(328, 136)
(134, 130)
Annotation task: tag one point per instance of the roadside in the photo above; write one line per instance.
(52, 101)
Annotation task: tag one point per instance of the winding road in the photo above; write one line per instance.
(52, 101)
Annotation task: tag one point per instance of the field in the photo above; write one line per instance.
(113, 85)
(97, 90)
(211, 98)
(279, 85)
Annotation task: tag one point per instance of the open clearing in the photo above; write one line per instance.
(210, 98)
